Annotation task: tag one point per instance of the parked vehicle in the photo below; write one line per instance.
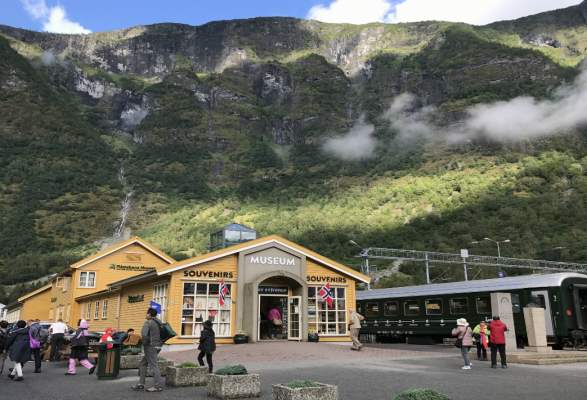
(429, 312)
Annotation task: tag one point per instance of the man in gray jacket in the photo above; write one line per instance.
(151, 339)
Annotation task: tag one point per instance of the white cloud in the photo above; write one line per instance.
(357, 144)
(54, 19)
(477, 12)
(352, 11)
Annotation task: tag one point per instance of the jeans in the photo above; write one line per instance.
(57, 340)
(149, 360)
(37, 357)
(465, 353)
(481, 350)
(494, 349)
(208, 360)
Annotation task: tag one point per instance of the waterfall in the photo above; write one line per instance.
(125, 205)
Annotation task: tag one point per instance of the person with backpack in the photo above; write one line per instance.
(152, 343)
(464, 341)
(3, 338)
(207, 345)
(19, 349)
(35, 343)
(79, 349)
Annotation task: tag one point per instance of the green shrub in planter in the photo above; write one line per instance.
(313, 337)
(421, 394)
(301, 383)
(232, 370)
(188, 365)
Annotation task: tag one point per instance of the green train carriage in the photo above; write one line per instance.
(428, 313)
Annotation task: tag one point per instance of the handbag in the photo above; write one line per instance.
(459, 342)
(277, 322)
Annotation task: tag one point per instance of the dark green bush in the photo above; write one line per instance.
(187, 365)
(232, 370)
(421, 394)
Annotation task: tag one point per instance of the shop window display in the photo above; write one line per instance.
(201, 302)
(324, 320)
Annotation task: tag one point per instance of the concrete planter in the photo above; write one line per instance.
(163, 364)
(234, 386)
(320, 392)
(130, 361)
(192, 376)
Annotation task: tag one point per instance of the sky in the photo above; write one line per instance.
(85, 16)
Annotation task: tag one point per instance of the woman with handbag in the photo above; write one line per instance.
(464, 341)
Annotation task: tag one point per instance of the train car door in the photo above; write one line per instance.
(580, 294)
(544, 302)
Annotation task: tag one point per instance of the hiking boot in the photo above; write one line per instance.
(466, 367)
(138, 387)
(92, 370)
(154, 389)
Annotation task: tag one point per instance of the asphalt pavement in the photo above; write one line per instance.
(369, 374)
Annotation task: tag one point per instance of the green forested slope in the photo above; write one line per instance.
(230, 127)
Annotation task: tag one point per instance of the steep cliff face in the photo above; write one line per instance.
(240, 109)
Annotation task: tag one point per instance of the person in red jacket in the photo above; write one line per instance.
(497, 342)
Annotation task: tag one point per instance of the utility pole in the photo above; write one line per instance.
(427, 269)
(464, 255)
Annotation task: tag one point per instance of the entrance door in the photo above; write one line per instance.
(580, 293)
(544, 302)
(267, 330)
(295, 318)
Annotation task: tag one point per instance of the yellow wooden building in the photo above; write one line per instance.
(35, 304)
(114, 288)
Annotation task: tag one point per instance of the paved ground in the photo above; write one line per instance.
(377, 372)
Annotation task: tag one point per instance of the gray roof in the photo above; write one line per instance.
(484, 285)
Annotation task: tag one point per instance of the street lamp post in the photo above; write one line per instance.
(497, 242)
(365, 257)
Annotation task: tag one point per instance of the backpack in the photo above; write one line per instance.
(33, 342)
(166, 332)
(79, 340)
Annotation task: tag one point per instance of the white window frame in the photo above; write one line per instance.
(315, 322)
(88, 311)
(205, 310)
(160, 297)
(97, 309)
(427, 301)
(105, 309)
(84, 279)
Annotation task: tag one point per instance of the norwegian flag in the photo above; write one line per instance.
(327, 294)
(222, 293)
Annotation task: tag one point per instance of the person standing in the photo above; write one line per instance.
(464, 336)
(275, 321)
(79, 349)
(19, 349)
(481, 333)
(3, 339)
(355, 328)
(151, 338)
(497, 341)
(207, 345)
(36, 344)
(57, 331)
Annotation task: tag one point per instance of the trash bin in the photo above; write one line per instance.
(108, 361)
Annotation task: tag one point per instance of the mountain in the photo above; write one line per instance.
(172, 130)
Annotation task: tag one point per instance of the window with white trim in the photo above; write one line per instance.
(201, 302)
(160, 297)
(104, 309)
(97, 310)
(324, 320)
(87, 279)
(68, 312)
(88, 311)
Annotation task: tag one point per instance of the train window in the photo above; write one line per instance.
(516, 306)
(459, 306)
(483, 305)
(391, 309)
(411, 307)
(372, 309)
(433, 307)
(540, 301)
